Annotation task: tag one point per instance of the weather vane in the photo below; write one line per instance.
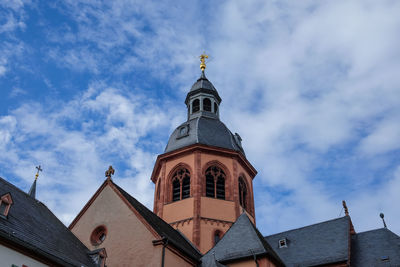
(109, 172)
(203, 61)
(39, 169)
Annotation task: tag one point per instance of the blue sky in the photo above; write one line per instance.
(311, 86)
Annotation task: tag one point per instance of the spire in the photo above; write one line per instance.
(32, 191)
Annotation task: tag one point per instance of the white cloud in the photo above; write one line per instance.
(305, 83)
(75, 142)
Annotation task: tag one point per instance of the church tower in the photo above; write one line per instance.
(203, 181)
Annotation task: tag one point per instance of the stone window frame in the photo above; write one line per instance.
(228, 180)
(171, 179)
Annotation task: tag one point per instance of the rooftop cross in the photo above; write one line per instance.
(39, 169)
(203, 61)
(109, 172)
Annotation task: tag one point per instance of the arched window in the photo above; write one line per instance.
(185, 187)
(176, 190)
(221, 187)
(215, 182)
(242, 193)
(215, 107)
(180, 184)
(207, 104)
(217, 236)
(195, 105)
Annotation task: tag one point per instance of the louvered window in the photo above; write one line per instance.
(215, 182)
(181, 184)
(185, 187)
(176, 190)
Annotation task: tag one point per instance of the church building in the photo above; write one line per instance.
(203, 213)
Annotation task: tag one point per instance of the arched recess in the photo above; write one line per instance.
(228, 179)
(207, 104)
(195, 105)
(245, 198)
(170, 183)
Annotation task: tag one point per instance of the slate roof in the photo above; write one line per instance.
(203, 85)
(379, 247)
(162, 228)
(204, 130)
(242, 240)
(317, 244)
(32, 225)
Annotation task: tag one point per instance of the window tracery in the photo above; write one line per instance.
(215, 182)
(180, 184)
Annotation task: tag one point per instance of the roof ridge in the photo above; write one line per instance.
(18, 189)
(378, 229)
(307, 226)
(153, 219)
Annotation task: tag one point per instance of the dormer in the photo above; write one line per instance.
(5, 204)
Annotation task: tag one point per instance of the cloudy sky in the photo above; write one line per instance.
(313, 88)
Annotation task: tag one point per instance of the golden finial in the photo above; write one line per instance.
(39, 169)
(203, 61)
(109, 172)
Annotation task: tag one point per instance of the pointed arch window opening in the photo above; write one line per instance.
(215, 182)
(242, 193)
(207, 104)
(181, 184)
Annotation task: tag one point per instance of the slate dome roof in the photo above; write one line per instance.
(206, 131)
(203, 127)
(203, 85)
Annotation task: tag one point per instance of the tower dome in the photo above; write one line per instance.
(203, 125)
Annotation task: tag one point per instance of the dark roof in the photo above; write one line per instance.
(203, 85)
(242, 240)
(379, 247)
(161, 227)
(204, 130)
(317, 244)
(30, 224)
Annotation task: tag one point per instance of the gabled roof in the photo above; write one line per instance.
(379, 247)
(242, 240)
(156, 224)
(161, 227)
(32, 226)
(317, 244)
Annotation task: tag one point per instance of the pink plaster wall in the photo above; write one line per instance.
(128, 242)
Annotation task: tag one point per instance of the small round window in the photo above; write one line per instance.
(98, 235)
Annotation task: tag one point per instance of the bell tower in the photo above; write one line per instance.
(203, 181)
